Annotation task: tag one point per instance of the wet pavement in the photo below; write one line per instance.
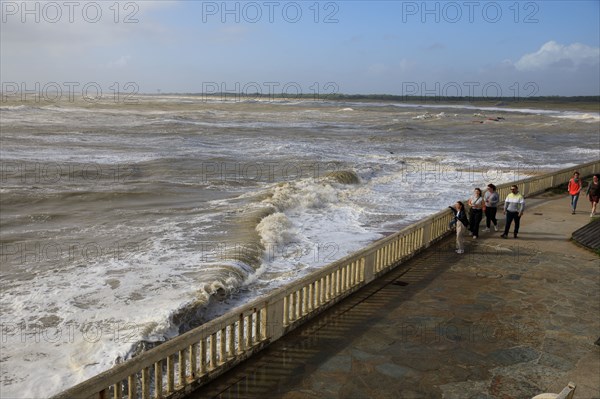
(510, 318)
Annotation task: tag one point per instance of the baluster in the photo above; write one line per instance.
(182, 368)
(240, 332)
(118, 390)
(257, 326)
(203, 356)
(286, 310)
(158, 380)
(132, 391)
(305, 294)
(170, 374)
(249, 331)
(293, 313)
(193, 351)
(146, 383)
(213, 351)
(231, 336)
(222, 346)
(263, 323)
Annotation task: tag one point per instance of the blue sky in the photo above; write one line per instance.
(393, 47)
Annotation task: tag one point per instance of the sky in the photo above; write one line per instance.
(435, 48)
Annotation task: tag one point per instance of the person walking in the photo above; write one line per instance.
(461, 221)
(491, 199)
(476, 213)
(514, 205)
(574, 187)
(593, 193)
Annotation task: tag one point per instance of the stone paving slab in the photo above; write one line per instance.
(508, 319)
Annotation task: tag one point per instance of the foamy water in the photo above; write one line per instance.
(124, 225)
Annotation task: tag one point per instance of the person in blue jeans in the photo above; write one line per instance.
(491, 199)
(514, 205)
(574, 188)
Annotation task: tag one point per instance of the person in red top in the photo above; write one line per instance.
(574, 188)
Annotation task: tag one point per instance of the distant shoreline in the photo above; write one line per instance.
(569, 103)
(558, 103)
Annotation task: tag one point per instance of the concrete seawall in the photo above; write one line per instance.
(508, 319)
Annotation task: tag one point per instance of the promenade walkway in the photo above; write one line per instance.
(507, 319)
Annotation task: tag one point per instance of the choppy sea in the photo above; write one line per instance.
(125, 225)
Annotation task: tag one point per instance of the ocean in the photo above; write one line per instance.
(123, 225)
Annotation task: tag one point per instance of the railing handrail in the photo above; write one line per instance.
(322, 283)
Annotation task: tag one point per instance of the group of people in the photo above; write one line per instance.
(592, 192)
(487, 205)
(514, 205)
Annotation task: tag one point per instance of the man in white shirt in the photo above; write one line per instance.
(514, 205)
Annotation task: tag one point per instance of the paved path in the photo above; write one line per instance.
(507, 319)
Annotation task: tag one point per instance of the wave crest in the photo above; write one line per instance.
(345, 177)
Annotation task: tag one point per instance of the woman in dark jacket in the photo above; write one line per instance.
(593, 193)
(476, 203)
(461, 221)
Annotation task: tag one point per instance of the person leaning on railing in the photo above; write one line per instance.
(514, 205)
(462, 222)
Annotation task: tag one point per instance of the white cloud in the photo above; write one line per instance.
(436, 46)
(73, 32)
(556, 55)
(378, 69)
(403, 66)
(406, 65)
(121, 62)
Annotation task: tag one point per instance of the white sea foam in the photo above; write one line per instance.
(102, 311)
(588, 117)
